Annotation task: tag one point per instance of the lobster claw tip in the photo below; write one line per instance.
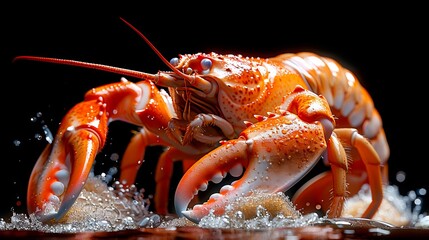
(46, 217)
(49, 214)
(60, 175)
(49, 202)
(189, 215)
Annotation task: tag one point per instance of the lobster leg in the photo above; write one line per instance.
(364, 168)
(133, 159)
(164, 172)
(201, 120)
(134, 154)
(313, 195)
(372, 163)
(338, 161)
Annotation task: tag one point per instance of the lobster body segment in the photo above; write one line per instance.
(266, 121)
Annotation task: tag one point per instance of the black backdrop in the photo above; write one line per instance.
(384, 48)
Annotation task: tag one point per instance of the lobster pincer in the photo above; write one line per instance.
(63, 167)
(275, 152)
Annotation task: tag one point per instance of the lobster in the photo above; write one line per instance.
(265, 121)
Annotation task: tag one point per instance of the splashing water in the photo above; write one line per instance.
(100, 208)
(395, 209)
(255, 212)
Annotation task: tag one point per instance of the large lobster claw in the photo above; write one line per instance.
(275, 152)
(63, 167)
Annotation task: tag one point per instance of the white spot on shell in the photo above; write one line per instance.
(236, 171)
(217, 178)
(57, 188)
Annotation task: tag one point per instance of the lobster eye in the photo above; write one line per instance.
(174, 61)
(206, 64)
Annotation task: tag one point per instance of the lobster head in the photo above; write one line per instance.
(231, 86)
(230, 76)
(233, 75)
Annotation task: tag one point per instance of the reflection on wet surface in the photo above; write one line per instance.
(329, 229)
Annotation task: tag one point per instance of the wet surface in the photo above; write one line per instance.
(333, 229)
(264, 223)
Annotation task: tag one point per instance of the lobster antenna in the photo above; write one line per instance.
(107, 68)
(102, 67)
(158, 53)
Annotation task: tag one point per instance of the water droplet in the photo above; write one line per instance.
(417, 201)
(48, 134)
(114, 157)
(412, 195)
(17, 143)
(400, 176)
(37, 136)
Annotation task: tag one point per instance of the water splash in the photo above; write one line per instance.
(98, 208)
(103, 208)
(395, 208)
(47, 133)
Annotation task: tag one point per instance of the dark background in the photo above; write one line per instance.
(385, 48)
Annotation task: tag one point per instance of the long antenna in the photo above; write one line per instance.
(102, 67)
(107, 68)
(158, 52)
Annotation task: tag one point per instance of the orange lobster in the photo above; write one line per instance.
(267, 121)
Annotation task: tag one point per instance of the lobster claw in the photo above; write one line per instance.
(270, 164)
(275, 153)
(63, 167)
